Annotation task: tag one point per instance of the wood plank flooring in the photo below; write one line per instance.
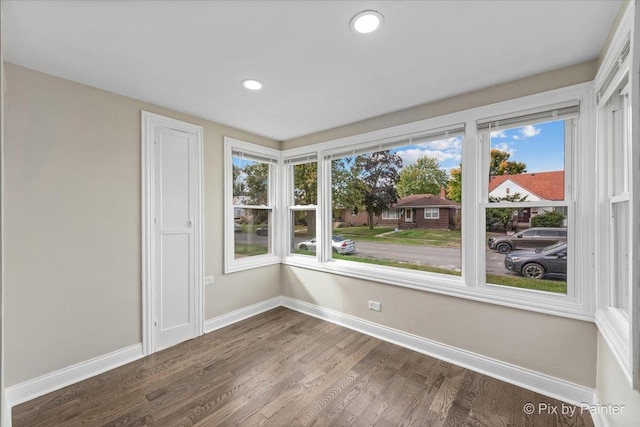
(283, 368)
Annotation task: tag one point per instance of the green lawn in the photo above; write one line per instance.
(557, 286)
(415, 236)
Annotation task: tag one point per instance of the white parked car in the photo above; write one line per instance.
(339, 245)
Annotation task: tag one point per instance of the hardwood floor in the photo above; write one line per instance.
(283, 368)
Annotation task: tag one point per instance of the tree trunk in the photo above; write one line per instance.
(370, 220)
(311, 223)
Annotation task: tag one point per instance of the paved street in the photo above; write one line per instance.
(449, 258)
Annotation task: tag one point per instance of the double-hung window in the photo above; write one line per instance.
(527, 199)
(251, 177)
(615, 310)
(302, 202)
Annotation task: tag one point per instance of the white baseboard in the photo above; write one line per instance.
(522, 377)
(25, 391)
(241, 314)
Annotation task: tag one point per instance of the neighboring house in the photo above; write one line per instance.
(423, 211)
(539, 186)
(415, 211)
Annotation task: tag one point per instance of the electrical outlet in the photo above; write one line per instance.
(375, 306)
(208, 280)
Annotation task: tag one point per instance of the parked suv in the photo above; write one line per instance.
(532, 238)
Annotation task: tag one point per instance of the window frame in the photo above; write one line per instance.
(618, 328)
(232, 264)
(581, 303)
(431, 216)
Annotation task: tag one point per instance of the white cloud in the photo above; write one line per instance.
(503, 146)
(412, 155)
(443, 144)
(498, 134)
(529, 131)
(515, 137)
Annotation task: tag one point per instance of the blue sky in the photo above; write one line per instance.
(540, 147)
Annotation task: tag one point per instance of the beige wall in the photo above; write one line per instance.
(550, 80)
(72, 180)
(560, 347)
(614, 388)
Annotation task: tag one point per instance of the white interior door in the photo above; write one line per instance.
(174, 222)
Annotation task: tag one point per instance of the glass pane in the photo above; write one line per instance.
(305, 183)
(400, 207)
(250, 182)
(252, 234)
(620, 255)
(527, 248)
(619, 146)
(303, 232)
(527, 163)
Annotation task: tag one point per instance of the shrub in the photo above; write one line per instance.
(548, 219)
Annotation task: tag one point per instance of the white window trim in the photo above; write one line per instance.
(231, 264)
(431, 216)
(619, 330)
(578, 306)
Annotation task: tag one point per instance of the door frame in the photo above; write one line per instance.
(149, 122)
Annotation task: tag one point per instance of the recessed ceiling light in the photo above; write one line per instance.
(366, 22)
(252, 84)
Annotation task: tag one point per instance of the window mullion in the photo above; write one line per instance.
(323, 226)
(470, 209)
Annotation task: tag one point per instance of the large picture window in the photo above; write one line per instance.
(408, 197)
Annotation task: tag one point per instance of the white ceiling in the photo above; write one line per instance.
(191, 55)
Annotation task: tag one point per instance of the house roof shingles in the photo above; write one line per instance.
(545, 185)
(425, 200)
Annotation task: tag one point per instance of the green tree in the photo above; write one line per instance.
(504, 216)
(257, 183)
(238, 182)
(377, 175)
(423, 177)
(500, 164)
(346, 191)
(548, 219)
(305, 192)
(454, 189)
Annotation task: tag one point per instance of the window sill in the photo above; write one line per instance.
(241, 264)
(537, 301)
